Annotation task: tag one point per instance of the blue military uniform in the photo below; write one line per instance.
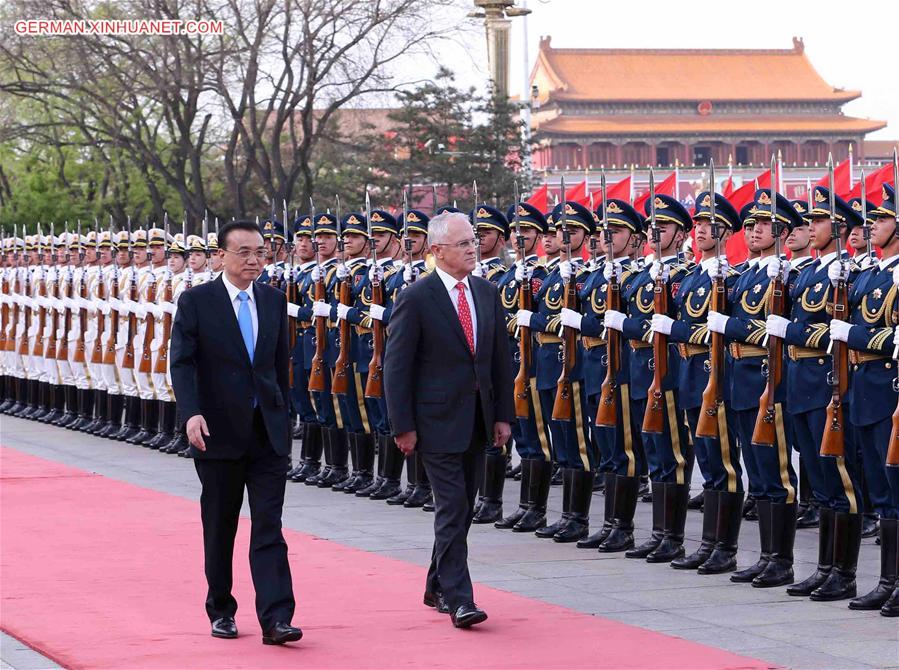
(274, 237)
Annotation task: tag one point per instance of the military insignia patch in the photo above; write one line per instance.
(764, 198)
(613, 208)
(706, 201)
(536, 284)
(817, 287)
(757, 288)
(819, 196)
(675, 287)
(700, 291)
(377, 218)
(877, 294)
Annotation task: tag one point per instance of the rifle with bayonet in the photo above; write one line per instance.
(97, 353)
(109, 353)
(62, 348)
(80, 355)
(319, 368)
(128, 358)
(562, 406)
(4, 308)
(23, 342)
(161, 365)
(17, 289)
(654, 417)
(892, 460)
(53, 292)
(290, 291)
(607, 412)
(525, 345)
(340, 383)
(833, 441)
(38, 348)
(374, 384)
(146, 360)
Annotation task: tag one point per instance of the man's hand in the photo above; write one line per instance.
(196, 429)
(501, 433)
(406, 442)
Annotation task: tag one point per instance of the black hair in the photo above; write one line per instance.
(231, 226)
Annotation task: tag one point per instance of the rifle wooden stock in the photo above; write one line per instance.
(109, 354)
(833, 441)
(654, 417)
(23, 342)
(80, 349)
(4, 316)
(62, 347)
(128, 358)
(712, 396)
(161, 365)
(374, 385)
(50, 350)
(765, 431)
(893, 445)
(564, 403)
(319, 369)
(14, 323)
(38, 348)
(97, 354)
(522, 387)
(146, 358)
(607, 412)
(340, 383)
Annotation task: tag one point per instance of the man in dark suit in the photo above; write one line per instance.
(449, 393)
(229, 358)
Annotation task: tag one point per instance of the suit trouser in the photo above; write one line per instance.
(834, 481)
(261, 471)
(718, 460)
(455, 479)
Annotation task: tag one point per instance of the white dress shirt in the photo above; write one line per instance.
(450, 283)
(235, 303)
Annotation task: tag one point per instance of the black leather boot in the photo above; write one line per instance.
(166, 426)
(146, 416)
(779, 571)
(810, 517)
(674, 519)
(494, 479)
(510, 521)
(402, 495)
(825, 557)
(99, 413)
(365, 463)
(553, 528)
(153, 425)
(57, 402)
(421, 494)
(889, 569)
(750, 513)
(727, 533)
(43, 402)
(697, 501)
(593, 541)
(70, 404)
(18, 393)
(658, 513)
(847, 539)
(325, 471)
(392, 471)
(763, 507)
(709, 525)
(339, 448)
(538, 493)
(32, 403)
(352, 449)
(622, 536)
(311, 453)
(376, 482)
(578, 525)
(113, 416)
(131, 425)
(80, 402)
(891, 607)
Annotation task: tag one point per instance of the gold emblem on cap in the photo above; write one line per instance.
(659, 203)
(377, 218)
(764, 198)
(706, 201)
(569, 209)
(323, 220)
(483, 213)
(819, 196)
(522, 211)
(412, 217)
(857, 205)
(353, 220)
(613, 208)
(799, 207)
(268, 225)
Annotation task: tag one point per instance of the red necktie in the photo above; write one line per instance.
(465, 316)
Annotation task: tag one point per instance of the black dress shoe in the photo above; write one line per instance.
(436, 601)
(468, 615)
(281, 633)
(224, 628)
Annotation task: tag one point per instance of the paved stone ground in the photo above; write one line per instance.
(763, 623)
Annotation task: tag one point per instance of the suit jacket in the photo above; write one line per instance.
(431, 379)
(212, 374)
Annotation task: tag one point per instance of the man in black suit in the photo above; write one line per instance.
(229, 360)
(449, 392)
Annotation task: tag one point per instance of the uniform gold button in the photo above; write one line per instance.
(820, 361)
(888, 366)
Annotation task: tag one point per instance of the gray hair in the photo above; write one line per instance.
(439, 225)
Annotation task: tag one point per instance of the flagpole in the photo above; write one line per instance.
(850, 168)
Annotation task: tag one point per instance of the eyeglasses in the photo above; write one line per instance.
(464, 244)
(246, 254)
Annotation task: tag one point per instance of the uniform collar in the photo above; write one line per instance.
(308, 265)
(886, 262)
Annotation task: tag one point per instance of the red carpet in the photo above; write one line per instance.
(97, 573)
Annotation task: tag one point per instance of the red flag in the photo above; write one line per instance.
(577, 193)
(540, 198)
(665, 188)
(743, 195)
(728, 189)
(841, 177)
(873, 185)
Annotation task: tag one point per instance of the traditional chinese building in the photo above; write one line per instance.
(605, 107)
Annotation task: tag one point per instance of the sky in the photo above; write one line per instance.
(852, 44)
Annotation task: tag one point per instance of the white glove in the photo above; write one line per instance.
(139, 310)
(321, 308)
(523, 273)
(662, 324)
(105, 308)
(614, 320)
(656, 268)
(866, 262)
(718, 267)
(839, 330)
(896, 337)
(775, 268)
(292, 310)
(717, 322)
(837, 271)
(167, 307)
(896, 275)
(342, 271)
(317, 273)
(376, 312)
(376, 273)
(115, 303)
(342, 311)
(610, 270)
(776, 325)
(565, 270)
(93, 306)
(277, 272)
(155, 310)
(570, 318)
(478, 270)
(523, 317)
(407, 273)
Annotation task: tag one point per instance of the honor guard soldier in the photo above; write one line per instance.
(864, 255)
(275, 240)
(666, 446)
(98, 314)
(531, 432)
(870, 334)
(606, 379)
(771, 477)
(703, 370)
(573, 448)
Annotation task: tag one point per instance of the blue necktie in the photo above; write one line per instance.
(245, 321)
